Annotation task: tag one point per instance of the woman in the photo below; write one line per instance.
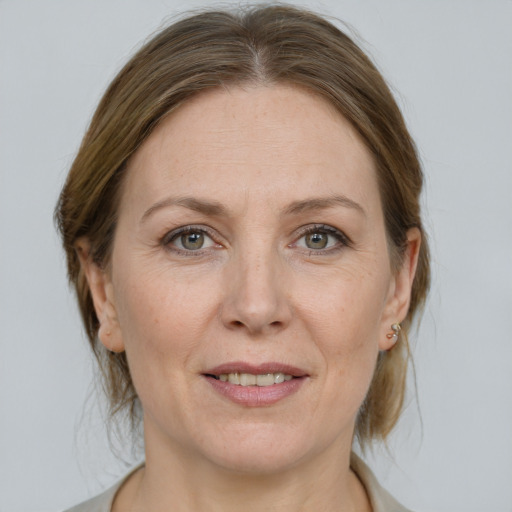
(242, 227)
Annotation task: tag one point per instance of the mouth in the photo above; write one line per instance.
(251, 379)
(255, 386)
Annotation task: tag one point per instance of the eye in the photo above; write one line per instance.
(316, 240)
(321, 238)
(189, 239)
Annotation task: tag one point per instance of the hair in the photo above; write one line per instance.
(265, 45)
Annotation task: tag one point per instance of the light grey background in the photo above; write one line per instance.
(450, 63)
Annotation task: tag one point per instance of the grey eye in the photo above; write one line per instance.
(189, 239)
(192, 241)
(316, 240)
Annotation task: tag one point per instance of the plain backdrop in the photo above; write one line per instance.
(450, 65)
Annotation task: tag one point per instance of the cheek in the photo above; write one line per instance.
(162, 316)
(345, 322)
(162, 322)
(347, 307)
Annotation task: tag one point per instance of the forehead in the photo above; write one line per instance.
(263, 141)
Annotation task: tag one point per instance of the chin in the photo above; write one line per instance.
(260, 451)
(257, 462)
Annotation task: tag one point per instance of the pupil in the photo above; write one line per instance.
(316, 240)
(192, 241)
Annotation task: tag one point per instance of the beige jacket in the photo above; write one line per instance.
(380, 499)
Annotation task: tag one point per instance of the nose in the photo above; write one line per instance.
(256, 300)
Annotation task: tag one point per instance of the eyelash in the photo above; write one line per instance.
(342, 239)
(185, 230)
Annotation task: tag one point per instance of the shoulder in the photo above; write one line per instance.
(380, 499)
(102, 502)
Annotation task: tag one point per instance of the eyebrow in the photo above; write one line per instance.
(213, 208)
(323, 203)
(197, 205)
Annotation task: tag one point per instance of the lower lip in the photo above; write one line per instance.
(256, 396)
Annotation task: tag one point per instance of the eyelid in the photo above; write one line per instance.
(343, 239)
(172, 235)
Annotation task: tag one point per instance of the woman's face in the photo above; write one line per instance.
(250, 281)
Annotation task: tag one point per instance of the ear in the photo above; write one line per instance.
(102, 292)
(399, 297)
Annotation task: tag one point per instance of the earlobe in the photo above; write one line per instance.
(399, 299)
(102, 292)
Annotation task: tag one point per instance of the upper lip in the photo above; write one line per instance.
(256, 369)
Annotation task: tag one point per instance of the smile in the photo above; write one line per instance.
(255, 385)
(249, 379)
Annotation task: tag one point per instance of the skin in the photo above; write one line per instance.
(255, 292)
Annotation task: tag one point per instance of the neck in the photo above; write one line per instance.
(175, 480)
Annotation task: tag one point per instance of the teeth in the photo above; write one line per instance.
(280, 377)
(265, 380)
(234, 378)
(248, 379)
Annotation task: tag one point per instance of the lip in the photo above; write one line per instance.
(243, 367)
(256, 396)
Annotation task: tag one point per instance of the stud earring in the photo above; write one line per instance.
(395, 331)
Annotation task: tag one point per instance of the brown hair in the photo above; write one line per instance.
(264, 45)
